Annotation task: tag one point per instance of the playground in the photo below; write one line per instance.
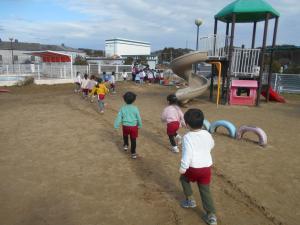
(63, 163)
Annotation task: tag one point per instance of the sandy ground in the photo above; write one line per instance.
(61, 162)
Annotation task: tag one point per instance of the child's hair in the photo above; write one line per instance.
(113, 73)
(100, 80)
(129, 97)
(194, 118)
(104, 73)
(93, 77)
(172, 99)
(85, 76)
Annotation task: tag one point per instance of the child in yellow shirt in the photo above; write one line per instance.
(100, 90)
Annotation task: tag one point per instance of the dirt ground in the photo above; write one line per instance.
(61, 162)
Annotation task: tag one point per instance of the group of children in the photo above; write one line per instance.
(140, 76)
(196, 160)
(92, 88)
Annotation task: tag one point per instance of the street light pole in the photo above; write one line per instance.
(12, 52)
(198, 23)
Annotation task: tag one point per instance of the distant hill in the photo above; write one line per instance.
(166, 55)
(92, 52)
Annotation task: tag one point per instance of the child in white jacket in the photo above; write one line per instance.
(196, 164)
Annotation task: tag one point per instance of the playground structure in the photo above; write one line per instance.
(234, 62)
(258, 131)
(236, 133)
(238, 99)
(182, 66)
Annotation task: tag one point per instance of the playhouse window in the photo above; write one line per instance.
(243, 91)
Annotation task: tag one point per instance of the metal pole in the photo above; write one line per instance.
(197, 37)
(271, 58)
(262, 55)
(230, 58)
(253, 35)
(196, 65)
(12, 53)
(213, 67)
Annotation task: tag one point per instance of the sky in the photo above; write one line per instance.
(163, 23)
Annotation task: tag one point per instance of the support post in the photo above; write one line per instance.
(262, 55)
(213, 69)
(271, 58)
(38, 69)
(71, 67)
(228, 75)
(253, 35)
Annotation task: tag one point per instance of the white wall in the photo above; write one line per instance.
(127, 48)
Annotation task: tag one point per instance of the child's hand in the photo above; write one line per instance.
(182, 171)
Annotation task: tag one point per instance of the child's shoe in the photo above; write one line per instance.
(178, 139)
(210, 219)
(175, 149)
(133, 156)
(125, 147)
(188, 203)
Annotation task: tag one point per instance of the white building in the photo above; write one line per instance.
(125, 47)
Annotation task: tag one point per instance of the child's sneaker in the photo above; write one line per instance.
(175, 149)
(178, 139)
(210, 219)
(133, 156)
(188, 203)
(125, 147)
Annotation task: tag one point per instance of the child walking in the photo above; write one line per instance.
(196, 164)
(84, 84)
(173, 116)
(112, 82)
(101, 90)
(77, 82)
(129, 117)
(90, 86)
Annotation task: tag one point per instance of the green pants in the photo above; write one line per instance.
(205, 194)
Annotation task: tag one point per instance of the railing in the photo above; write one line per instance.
(59, 70)
(245, 62)
(284, 83)
(216, 46)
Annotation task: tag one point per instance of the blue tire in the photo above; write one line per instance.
(206, 124)
(223, 123)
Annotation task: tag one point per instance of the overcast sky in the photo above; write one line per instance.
(163, 23)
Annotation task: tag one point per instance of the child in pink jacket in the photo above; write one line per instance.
(173, 116)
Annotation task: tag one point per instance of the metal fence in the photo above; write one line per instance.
(245, 62)
(216, 46)
(286, 83)
(59, 70)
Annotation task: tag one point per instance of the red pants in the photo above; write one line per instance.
(200, 175)
(172, 128)
(101, 97)
(132, 131)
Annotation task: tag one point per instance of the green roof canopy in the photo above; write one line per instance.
(247, 11)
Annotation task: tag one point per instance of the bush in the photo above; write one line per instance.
(26, 81)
